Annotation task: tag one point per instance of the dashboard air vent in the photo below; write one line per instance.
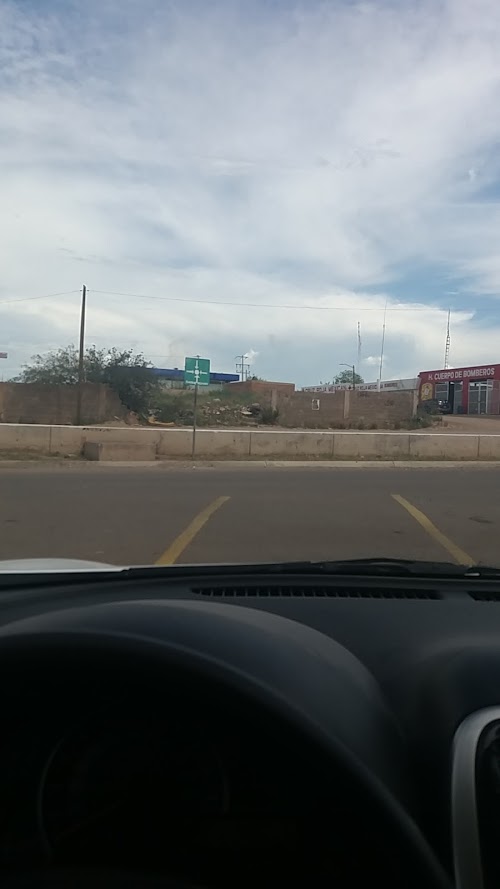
(311, 592)
(485, 595)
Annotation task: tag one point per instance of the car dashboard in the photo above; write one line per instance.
(211, 728)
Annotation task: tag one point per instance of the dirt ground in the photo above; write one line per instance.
(473, 424)
(457, 424)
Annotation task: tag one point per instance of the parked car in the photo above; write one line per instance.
(444, 407)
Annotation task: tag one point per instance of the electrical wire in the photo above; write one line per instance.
(217, 302)
(23, 299)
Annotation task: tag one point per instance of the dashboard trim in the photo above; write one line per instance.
(464, 816)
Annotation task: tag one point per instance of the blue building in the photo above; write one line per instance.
(174, 378)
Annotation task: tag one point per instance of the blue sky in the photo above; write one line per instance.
(316, 160)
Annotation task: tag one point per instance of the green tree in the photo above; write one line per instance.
(345, 376)
(57, 367)
(127, 372)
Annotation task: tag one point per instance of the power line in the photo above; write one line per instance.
(23, 299)
(217, 302)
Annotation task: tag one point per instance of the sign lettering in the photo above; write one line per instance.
(462, 373)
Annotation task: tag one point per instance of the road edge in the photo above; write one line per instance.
(238, 465)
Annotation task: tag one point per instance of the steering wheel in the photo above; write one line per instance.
(275, 665)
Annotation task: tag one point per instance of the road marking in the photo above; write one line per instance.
(180, 543)
(458, 554)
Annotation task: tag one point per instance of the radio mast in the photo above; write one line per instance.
(447, 346)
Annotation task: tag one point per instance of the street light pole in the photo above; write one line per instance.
(379, 381)
(353, 367)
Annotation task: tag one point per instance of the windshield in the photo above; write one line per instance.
(250, 277)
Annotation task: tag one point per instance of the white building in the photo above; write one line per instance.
(384, 386)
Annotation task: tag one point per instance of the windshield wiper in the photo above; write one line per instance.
(375, 567)
(391, 568)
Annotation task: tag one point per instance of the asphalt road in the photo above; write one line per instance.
(138, 515)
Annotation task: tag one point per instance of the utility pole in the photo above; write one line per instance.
(359, 345)
(81, 353)
(241, 367)
(447, 346)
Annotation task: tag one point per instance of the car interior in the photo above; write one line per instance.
(220, 726)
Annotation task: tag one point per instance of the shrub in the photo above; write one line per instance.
(428, 407)
(269, 416)
(419, 422)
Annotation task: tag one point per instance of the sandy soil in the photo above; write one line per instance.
(475, 425)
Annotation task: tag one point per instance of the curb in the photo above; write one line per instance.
(171, 465)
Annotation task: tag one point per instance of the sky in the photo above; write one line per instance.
(252, 177)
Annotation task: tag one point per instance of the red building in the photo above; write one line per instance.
(469, 390)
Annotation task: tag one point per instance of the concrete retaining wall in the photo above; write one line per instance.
(240, 444)
(291, 444)
(489, 447)
(15, 437)
(369, 445)
(144, 451)
(444, 447)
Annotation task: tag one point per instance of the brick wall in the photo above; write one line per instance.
(261, 388)
(296, 410)
(341, 409)
(34, 403)
(380, 407)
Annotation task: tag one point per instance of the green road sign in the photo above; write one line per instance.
(197, 370)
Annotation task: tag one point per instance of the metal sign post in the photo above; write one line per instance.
(197, 373)
(195, 407)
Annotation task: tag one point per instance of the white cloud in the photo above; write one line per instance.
(251, 355)
(300, 155)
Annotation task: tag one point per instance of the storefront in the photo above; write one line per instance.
(465, 390)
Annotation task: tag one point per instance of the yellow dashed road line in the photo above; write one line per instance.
(180, 543)
(458, 554)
